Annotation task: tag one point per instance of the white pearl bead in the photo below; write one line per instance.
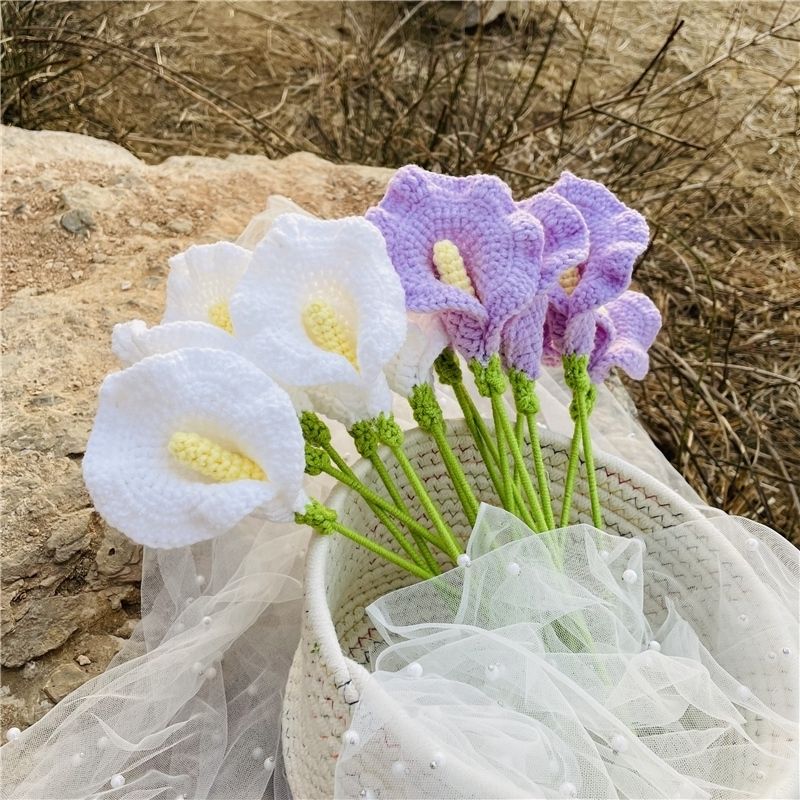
(211, 673)
(414, 669)
(463, 560)
(605, 555)
(77, 759)
(786, 651)
(654, 645)
(351, 737)
(200, 580)
(269, 763)
(568, 789)
(207, 621)
(367, 794)
(619, 744)
(513, 569)
(772, 655)
(438, 760)
(743, 693)
(103, 742)
(630, 576)
(13, 733)
(751, 544)
(399, 769)
(197, 668)
(257, 753)
(117, 781)
(744, 619)
(493, 672)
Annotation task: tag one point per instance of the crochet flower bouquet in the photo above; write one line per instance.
(537, 658)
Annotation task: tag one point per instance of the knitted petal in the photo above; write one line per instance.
(142, 489)
(523, 338)
(626, 328)
(413, 365)
(566, 237)
(260, 224)
(311, 277)
(618, 235)
(132, 341)
(499, 245)
(201, 281)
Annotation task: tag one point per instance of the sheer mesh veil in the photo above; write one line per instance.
(492, 685)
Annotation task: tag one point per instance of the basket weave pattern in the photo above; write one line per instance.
(338, 642)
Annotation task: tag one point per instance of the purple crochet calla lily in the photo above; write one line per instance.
(463, 250)
(618, 235)
(566, 245)
(626, 328)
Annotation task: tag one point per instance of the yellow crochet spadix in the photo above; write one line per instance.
(209, 459)
(569, 280)
(450, 266)
(328, 329)
(220, 315)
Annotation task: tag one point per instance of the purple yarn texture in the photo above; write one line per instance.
(626, 328)
(566, 245)
(500, 244)
(618, 235)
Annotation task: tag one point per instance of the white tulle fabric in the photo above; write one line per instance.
(191, 706)
(534, 672)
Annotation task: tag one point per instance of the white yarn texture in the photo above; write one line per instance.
(535, 672)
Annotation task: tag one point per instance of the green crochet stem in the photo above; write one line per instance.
(428, 415)
(324, 521)
(390, 434)
(376, 500)
(491, 383)
(527, 405)
(576, 376)
(506, 479)
(569, 480)
(365, 439)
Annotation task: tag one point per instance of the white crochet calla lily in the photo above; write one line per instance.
(201, 281)
(132, 341)
(321, 304)
(188, 443)
(258, 226)
(413, 365)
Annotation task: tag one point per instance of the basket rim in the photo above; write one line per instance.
(349, 673)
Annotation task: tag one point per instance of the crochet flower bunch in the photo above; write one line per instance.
(219, 411)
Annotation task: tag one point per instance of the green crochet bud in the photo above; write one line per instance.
(524, 390)
(489, 380)
(317, 460)
(315, 431)
(576, 376)
(448, 368)
(389, 432)
(365, 438)
(318, 517)
(427, 412)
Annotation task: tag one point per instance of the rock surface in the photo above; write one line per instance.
(87, 231)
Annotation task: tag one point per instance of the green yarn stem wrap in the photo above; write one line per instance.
(491, 382)
(318, 517)
(584, 394)
(314, 430)
(428, 415)
(527, 404)
(391, 434)
(447, 368)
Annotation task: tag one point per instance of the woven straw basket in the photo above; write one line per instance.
(337, 643)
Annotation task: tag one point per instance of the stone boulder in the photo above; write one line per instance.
(87, 231)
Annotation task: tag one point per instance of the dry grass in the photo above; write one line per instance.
(689, 112)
